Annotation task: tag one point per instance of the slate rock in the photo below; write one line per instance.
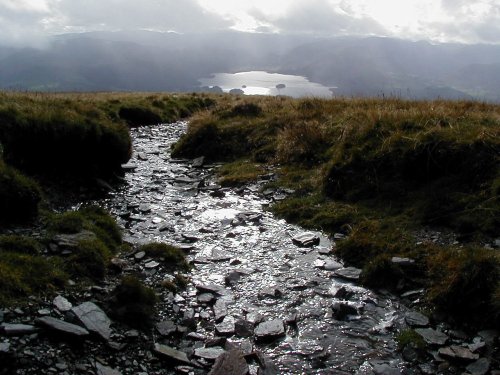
(139, 255)
(269, 330)
(62, 327)
(270, 292)
(342, 309)
(458, 353)
(226, 327)
(11, 329)
(151, 265)
(232, 362)
(416, 319)
(403, 262)
(306, 239)
(4, 347)
(210, 354)
(205, 298)
(198, 162)
(232, 278)
(129, 167)
(349, 273)
(170, 354)
(243, 328)
(220, 310)
(266, 365)
(480, 367)
(72, 240)
(93, 318)
(432, 337)
(103, 370)
(166, 327)
(331, 265)
(209, 288)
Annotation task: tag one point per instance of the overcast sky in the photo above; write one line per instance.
(29, 22)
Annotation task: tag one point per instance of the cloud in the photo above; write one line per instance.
(323, 18)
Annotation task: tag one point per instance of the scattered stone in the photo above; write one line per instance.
(232, 278)
(4, 347)
(94, 319)
(166, 327)
(210, 288)
(206, 298)
(17, 329)
(432, 337)
(198, 162)
(144, 208)
(416, 319)
(331, 265)
(139, 255)
(226, 327)
(306, 239)
(231, 362)
(142, 156)
(403, 262)
(243, 328)
(196, 336)
(220, 310)
(385, 369)
(342, 309)
(62, 327)
(349, 273)
(266, 365)
(171, 354)
(44, 312)
(458, 353)
(270, 292)
(129, 167)
(151, 265)
(210, 354)
(103, 370)
(269, 330)
(341, 293)
(254, 317)
(480, 367)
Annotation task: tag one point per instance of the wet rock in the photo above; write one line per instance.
(226, 327)
(270, 292)
(341, 310)
(103, 370)
(232, 278)
(220, 310)
(129, 167)
(458, 353)
(385, 369)
(266, 365)
(480, 367)
(210, 354)
(341, 292)
(139, 255)
(255, 317)
(170, 354)
(62, 304)
(142, 156)
(93, 318)
(144, 208)
(416, 319)
(232, 362)
(432, 337)
(195, 336)
(270, 330)
(210, 288)
(306, 239)
(10, 329)
(62, 327)
(151, 265)
(206, 298)
(72, 240)
(331, 265)
(243, 328)
(166, 327)
(349, 273)
(198, 162)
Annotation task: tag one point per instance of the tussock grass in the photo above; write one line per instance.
(377, 170)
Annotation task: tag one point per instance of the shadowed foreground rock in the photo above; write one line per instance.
(231, 362)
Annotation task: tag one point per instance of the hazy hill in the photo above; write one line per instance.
(150, 61)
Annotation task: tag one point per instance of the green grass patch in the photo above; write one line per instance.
(170, 256)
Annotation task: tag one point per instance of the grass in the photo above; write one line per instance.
(378, 170)
(171, 257)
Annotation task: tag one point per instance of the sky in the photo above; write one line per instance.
(31, 22)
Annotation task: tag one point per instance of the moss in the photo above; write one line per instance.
(133, 303)
(19, 244)
(170, 256)
(89, 260)
(410, 338)
(19, 196)
(239, 172)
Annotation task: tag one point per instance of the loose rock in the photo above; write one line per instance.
(94, 319)
(269, 330)
(62, 327)
(230, 363)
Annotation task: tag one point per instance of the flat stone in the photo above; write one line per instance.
(171, 354)
(402, 261)
(62, 304)
(139, 255)
(72, 240)
(62, 327)
(416, 319)
(230, 363)
(306, 239)
(210, 354)
(220, 310)
(270, 330)
(151, 265)
(142, 156)
(349, 273)
(144, 208)
(226, 327)
(198, 162)
(17, 329)
(4, 347)
(266, 365)
(94, 319)
(480, 367)
(331, 265)
(103, 370)
(205, 298)
(129, 167)
(342, 309)
(243, 328)
(232, 278)
(44, 312)
(270, 292)
(166, 327)
(458, 353)
(432, 336)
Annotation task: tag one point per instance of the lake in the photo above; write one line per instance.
(264, 83)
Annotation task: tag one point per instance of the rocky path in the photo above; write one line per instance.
(264, 297)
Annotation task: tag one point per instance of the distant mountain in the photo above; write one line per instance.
(151, 61)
